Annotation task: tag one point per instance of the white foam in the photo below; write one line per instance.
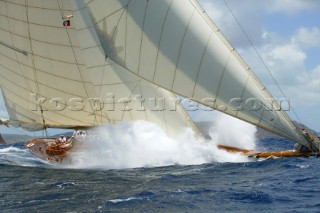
(19, 157)
(12, 149)
(123, 200)
(234, 132)
(143, 144)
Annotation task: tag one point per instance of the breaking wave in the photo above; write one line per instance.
(143, 144)
(17, 155)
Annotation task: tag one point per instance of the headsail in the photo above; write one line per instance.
(49, 79)
(175, 45)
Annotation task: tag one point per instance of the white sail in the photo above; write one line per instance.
(50, 79)
(40, 60)
(175, 45)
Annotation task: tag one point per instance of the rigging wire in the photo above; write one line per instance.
(260, 57)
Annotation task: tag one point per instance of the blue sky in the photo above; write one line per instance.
(286, 34)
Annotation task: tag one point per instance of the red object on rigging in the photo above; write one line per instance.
(66, 23)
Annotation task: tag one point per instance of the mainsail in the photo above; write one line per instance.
(49, 80)
(120, 50)
(175, 45)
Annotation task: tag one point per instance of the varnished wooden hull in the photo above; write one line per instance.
(258, 154)
(42, 148)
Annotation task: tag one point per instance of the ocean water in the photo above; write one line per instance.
(28, 184)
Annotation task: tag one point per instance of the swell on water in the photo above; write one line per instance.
(17, 155)
(143, 144)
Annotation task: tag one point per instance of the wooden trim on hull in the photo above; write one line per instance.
(258, 154)
(44, 149)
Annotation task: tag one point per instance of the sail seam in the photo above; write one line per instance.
(108, 16)
(40, 56)
(45, 42)
(145, 111)
(102, 76)
(99, 66)
(15, 53)
(160, 40)
(126, 104)
(63, 91)
(76, 60)
(126, 35)
(244, 88)
(55, 112)
(45, 8)
(200, 65)
(180, 48)
(18, 74)
(42, 25)
(142, 35)
(21, 87)
(106, 52)
(30, 79)
(164, 115)
(221, 78)
(112, 84)
(92, 47)
(33, 67)
(263, 110)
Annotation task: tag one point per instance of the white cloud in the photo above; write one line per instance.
(212, 9)
(308, 87)
(252, 24)
(286, 61)
(308, 37)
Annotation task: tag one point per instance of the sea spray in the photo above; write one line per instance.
(234, 132)
(143, 144)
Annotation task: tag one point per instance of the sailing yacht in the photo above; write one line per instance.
(76, 64)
